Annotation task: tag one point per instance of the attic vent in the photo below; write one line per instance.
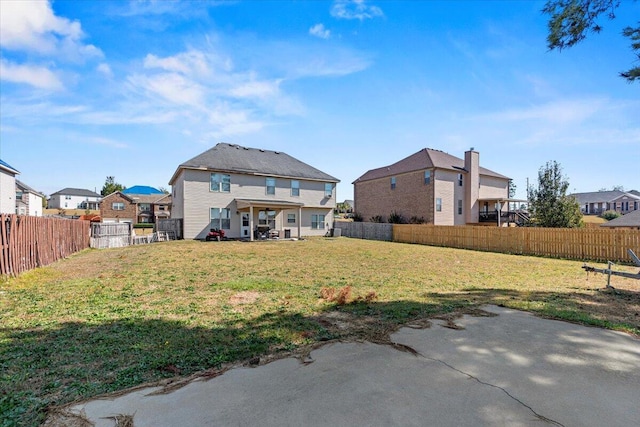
(277, 152)
(245, 148)
(261, 150)
(237, 147)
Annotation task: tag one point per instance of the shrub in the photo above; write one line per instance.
(417, 220)
(396, 218)
(377, 218)
(609, 215)
(143, 225)
(357, 217)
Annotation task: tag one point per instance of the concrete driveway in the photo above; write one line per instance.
(513, 369)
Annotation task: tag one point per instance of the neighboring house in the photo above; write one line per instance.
(435, 187)
(145, 208)
(248, 192)
(74, 198)
(28, 200)
(7, 188)
(630, 220)
(596, 202)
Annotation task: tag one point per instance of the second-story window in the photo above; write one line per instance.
(144, 207)
(328, 189)
(117, 206)
(271, 185)
(460, 179)
(427, 177)
(393, 182)
(220, 183)
(295, 187)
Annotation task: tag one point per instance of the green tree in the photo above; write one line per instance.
(549, 204)
(111, 186)
(571, 20)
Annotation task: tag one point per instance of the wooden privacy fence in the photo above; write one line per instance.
(28, 242)
(571, 243)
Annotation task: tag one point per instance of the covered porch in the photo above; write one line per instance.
(264, 219)
(503, 212)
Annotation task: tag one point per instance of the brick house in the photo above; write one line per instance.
(435, 187)
(135, 208)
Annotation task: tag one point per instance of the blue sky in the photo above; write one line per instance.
(131, 89)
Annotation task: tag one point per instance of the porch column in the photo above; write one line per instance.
(251, 223)
(299, 222)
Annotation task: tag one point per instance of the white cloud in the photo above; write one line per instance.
(39, 77)
(318, 30)
(256, 89)
(355, 9)
(172, 87)
(189, 63)
(565, 111)
(105, 69)
(31, 25)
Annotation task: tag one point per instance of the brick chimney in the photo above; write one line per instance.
(472, 186)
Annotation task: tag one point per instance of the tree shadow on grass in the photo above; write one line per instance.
(52, 366)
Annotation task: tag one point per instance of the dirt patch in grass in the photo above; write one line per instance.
(245, 297)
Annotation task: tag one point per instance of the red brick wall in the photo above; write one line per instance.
(411, 197)
(107, 213)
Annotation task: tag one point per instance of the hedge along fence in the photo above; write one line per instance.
(28, 242)
(572, 243)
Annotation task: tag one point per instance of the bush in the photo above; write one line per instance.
(609, 215)
(357, 217)
(377, 218)
(143, 225)
(417, 220)
(396, 218)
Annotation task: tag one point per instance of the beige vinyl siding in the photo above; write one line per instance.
(493, 187)
(7, 193)
(198, 199)
(446, 188)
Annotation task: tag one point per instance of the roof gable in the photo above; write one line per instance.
(235, 158)
(26, 189)
(426, 158)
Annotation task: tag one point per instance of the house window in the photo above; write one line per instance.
(460, 180)
(67, 197)
(267, 218)
(161, 207)
(144, 207)
(291, 218)
(614, 205)
(427, 177)
(220, 218)
(317, 222)
(18, 195)
(393, 182)
(625, 206)
(295, 188)
(635, 206)
(438, 205)
(271, 185)
(328, 189)
(220, 183)
(116, 206)
(459, 207)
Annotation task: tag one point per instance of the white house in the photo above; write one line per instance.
(7, 188)
(251, 193)
(28, 200)
(74, 198)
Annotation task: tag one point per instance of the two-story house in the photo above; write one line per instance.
(28, 200)
(435, 187)
(597, 202)
(138, 204)
(7, 188)
(74, 198)
(248, 192)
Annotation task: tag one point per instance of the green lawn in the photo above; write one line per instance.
(105, 320)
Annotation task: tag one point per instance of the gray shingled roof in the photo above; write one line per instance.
(76, 192)
(426, 158)
(601, 196)
(235, 158)
(632, 219)
(25, 187)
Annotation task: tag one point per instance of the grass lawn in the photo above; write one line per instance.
(105, 320)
